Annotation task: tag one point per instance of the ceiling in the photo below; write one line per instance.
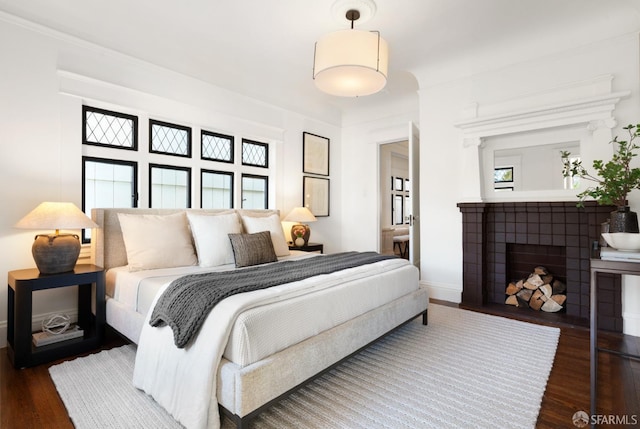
(264, 48)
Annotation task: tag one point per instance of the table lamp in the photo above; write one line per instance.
(300, 232)
(56, 253)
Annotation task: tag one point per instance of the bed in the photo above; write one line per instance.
(276, 339)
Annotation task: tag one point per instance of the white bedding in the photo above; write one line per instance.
(264, 330)
(187, 385)
(136, 290)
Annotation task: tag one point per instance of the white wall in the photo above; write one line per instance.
(445, 165)
(44, 80)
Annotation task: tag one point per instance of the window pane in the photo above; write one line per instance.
(108, 184)
(255, 153)
(217, 147)
(103, 127)
(217, 190)
(170, 187)
(169, 139)
(254, 192)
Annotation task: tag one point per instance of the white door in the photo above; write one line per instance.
(414, 177)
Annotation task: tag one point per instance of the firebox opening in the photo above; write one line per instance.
(523, 261)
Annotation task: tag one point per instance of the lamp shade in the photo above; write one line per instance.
(351, 63)
(56, 253)
(56, 215)
(300, 214)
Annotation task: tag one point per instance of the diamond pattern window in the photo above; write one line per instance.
(107, 183)
(217, 190)
(255, 194)
(169, 187)
(106, 128)
(170, 139)
(216, 147)
(255, 154)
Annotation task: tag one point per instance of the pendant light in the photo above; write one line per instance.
(351, 63)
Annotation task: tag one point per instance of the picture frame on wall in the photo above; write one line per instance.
(315, 154)
(315, 195)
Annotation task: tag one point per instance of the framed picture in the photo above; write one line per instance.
(315, 154)
(315, 191)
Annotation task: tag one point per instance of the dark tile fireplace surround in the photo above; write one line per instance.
(503, 242)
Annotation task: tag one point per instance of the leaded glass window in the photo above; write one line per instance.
(255, 153)
(169, 187)
(217, 190)
(217, 147)
(170, 139)
(254, 192)
(106, 128)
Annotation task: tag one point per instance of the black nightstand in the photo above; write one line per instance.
(22, 284)
(310, 247)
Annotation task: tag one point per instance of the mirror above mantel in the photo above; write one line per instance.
(529, 163)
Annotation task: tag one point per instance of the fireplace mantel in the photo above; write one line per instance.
(580, 111)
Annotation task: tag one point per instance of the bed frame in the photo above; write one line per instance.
(245, 392)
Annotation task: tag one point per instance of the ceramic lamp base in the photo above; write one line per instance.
(300, 234)
(56, 253)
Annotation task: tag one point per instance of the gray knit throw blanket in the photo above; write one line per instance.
(188, 300)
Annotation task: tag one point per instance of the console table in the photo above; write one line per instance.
(603, 266)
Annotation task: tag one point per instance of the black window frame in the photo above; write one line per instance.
(227, 173)
(135, 194)
(169, 167)
(153, 122)
(266, 155)
(212, 134)
(266, 187)
(134, 118)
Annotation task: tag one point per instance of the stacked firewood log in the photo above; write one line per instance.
(539, 291)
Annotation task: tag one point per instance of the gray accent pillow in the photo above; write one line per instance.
(252, 249)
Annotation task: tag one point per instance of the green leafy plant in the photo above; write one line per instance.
(615, 179)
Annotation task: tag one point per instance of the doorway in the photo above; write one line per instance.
(395, 198)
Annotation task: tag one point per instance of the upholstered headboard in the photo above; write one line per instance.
(107, 243)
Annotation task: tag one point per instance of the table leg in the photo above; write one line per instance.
(22, 325)
(593, 331)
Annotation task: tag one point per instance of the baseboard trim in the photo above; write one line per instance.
(444, 292)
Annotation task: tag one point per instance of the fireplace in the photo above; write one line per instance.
(502, 241)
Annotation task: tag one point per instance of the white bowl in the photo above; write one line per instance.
(625, 241)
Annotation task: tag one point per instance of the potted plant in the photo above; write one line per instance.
(614, 180)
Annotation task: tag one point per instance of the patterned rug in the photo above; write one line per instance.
(464, 369)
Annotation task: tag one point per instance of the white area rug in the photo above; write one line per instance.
(463, 370)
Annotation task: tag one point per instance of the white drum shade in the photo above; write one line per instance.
(351, 63)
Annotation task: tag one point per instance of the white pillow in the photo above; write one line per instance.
(211, 235)
(157, 241)
(271, 223)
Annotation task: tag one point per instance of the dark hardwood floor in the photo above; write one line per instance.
(28, 398)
